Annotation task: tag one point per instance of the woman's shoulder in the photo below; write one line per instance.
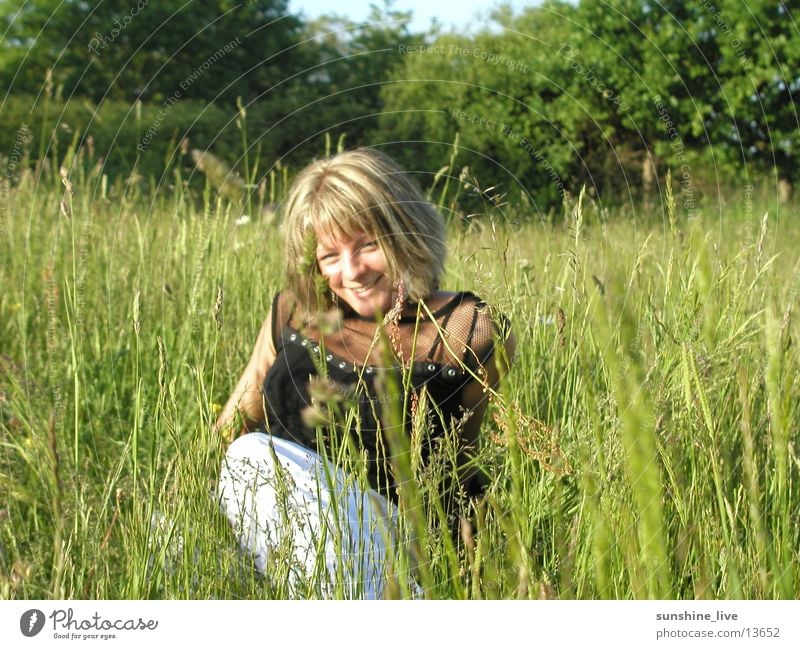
(460, 304)
(284, 296)
(482, 320)
(439, 301)
(283, 309)
(469, 324)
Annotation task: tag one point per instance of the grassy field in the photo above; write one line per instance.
(644, 445)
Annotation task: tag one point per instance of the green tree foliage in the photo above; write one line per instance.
(354, 62)
(608, 94)
(759, 67)
(188, 63)
(645, 73)
(709, 83)
(124, 49)
(496, 91)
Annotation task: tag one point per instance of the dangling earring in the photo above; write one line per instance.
(399, 304)
(402, 293)
(392, 318)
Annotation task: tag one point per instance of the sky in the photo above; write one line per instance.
(460, 14)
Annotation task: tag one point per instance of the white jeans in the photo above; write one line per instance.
(283, 498)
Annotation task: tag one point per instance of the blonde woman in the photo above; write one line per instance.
(361, 241)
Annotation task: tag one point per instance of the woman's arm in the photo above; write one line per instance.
(247, 398)
(475, 397)
(491, 367)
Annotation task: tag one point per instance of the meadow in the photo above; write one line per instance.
(643, 444)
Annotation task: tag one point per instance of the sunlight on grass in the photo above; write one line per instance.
(643, 445)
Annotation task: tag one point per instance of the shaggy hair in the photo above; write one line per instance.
(361, 191)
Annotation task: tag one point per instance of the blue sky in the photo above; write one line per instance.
(460, 14)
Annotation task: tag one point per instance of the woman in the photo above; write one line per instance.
(361, 242)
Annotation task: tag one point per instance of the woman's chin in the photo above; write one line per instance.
(369, 308)
(364, 310)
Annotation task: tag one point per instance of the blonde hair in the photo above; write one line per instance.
(362, 190)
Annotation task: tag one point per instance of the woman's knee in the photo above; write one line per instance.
(248, 464)
(252, 446)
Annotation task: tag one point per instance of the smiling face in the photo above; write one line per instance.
(356, 270)
(355, 193)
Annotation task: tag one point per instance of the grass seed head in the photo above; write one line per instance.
(137, 322)
(314, 416)
(217, 311)
(325, 391)
(328, 322)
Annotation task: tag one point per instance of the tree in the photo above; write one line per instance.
(759, 69)
(124, 49)
(355, 61)
(609, 94)
(499, 93)
(709, 83)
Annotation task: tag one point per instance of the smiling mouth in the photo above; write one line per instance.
(364, 289)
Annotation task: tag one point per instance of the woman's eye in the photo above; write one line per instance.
(370, 245)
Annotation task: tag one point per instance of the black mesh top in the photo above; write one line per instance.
(442, 351)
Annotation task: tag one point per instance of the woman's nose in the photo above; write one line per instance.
(351, 267)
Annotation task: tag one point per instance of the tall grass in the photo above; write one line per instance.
(644, 443)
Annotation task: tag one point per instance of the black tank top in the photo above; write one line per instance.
(441, 351)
